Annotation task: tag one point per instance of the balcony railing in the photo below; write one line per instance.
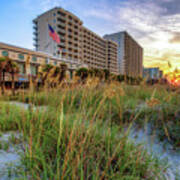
(61, 31)
(35, 27)
(61, 24)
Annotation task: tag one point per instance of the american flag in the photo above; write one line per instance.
(53, 34)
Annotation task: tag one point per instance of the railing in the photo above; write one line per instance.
(62, 31)
(61, 24)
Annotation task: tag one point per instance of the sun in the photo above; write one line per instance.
(174, 78)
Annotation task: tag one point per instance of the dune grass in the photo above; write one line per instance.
(80, 135)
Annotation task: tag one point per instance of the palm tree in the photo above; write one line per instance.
(12, 68)
(2, 64)
(14, 72)
(82, 73)
(63, 68)
(45, 73)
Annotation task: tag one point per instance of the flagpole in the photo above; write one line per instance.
(54, 37)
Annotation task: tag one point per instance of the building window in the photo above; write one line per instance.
(71, 74)
(33, 70)
(21, 68)
(54, 21)
(34, 59)
(54, 14)
(5, 53)
(47, 60)
(21, 56)
(55, 63)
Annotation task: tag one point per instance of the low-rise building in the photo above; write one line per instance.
(152, 73)
(35, 59)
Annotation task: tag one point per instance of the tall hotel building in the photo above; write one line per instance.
(130, 54)
(77, 42)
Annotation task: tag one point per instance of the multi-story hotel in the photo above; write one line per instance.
(111, 55)
(77, 42)
(130, 54)
(68, 27)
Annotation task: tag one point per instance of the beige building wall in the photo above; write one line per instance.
(67, 26)
(111, 56)
(133, 57)
(94, 50)
(130, 54)
(34, 59)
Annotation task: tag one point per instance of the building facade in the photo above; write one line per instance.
(35, 59)
(111, 55)
(68, 27)
(152, 73)
(130, 54)
(78, 43)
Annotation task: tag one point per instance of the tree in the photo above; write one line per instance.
(63, 68)
(12, 68)
(82, 73)
(2, 64)
(121, 78)
(94, 72)
(106, 74)
(45, 69)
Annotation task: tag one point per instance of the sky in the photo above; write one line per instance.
(155, 24)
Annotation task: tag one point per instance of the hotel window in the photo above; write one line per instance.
(47, 60)
(55, 63)
(21, 68)
(34, 59)
(21, 56)
(33, 70)
(5, 53)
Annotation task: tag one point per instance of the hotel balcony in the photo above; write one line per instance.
(35, 33)
(61, 31)
(61, 44)
(35, 21)
(35, 27)
(70, 46)
(35, 45)
(35, 39)
(61, 24)
(64, 50)
(61, 17)
(62, 38)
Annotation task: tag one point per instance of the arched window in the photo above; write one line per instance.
(5, 53)
(34, 59)
(47, 60)
(21, 56)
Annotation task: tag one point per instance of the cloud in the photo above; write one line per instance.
(171, 7)
(175, 38)
(154, 24)
(48, 4)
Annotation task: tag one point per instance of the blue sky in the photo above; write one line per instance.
(153, 23)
